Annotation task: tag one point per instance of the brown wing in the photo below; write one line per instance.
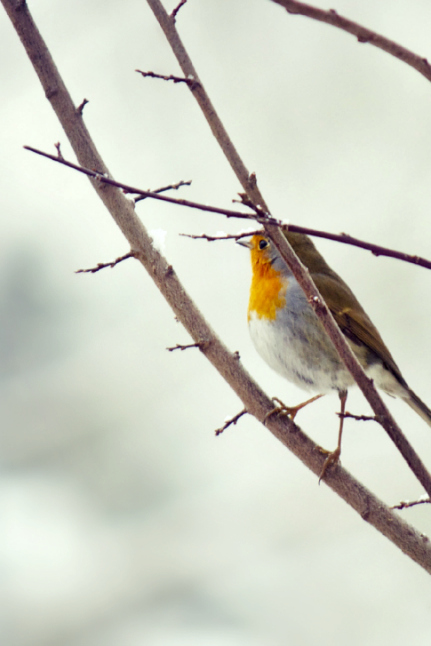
(352, 319)
(344, 306)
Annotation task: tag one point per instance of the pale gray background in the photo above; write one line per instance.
(122, 519)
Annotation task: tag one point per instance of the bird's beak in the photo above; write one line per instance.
(245, 243)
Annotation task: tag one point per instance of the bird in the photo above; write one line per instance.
(291, 339)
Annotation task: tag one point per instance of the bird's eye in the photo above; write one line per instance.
(263, 244)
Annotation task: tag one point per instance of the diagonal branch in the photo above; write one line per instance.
(363, 34)
(257, 403)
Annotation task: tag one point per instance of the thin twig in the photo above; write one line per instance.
(81, 106)
(60, 157)
(228, 236)
(230, 421)
(359, 418)
(102, 265)
(184, 347)
(364, 35)
(406, 503)
(176, 10)
(170, 187)
(191, 82)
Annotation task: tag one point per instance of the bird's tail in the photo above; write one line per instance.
(418, 406)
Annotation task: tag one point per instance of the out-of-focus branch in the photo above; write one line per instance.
(364, 35)
(300, 272)
(256, 402)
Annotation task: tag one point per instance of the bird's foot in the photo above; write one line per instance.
(288, 411)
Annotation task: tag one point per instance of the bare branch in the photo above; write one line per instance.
(359, 418)
(406, 504)
(170, 187)
(60, 157)
(191, 82)
(176, 10)
(101, 265)
(230, 421)
(81, 106)
(233, 236)
(185, 347)
(363, 34)
(375, 249)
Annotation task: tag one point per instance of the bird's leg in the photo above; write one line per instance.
(291, 411)
(333, 457)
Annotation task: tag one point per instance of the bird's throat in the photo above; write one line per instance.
(267, 293)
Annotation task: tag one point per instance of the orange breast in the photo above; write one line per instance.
(267, 293)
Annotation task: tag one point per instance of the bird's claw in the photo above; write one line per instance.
(332, 457)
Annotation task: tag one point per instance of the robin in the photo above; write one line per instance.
(291, 339)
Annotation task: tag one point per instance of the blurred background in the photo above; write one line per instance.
(123, 520)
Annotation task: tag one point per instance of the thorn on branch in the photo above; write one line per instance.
(80, 108)
(190, 81)
(230, 421)
(406, 503)
(59, 153)
(173, 15)
(185, 347)
(101, 265)
(252, 181)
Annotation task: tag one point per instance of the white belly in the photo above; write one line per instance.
(299, 350)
